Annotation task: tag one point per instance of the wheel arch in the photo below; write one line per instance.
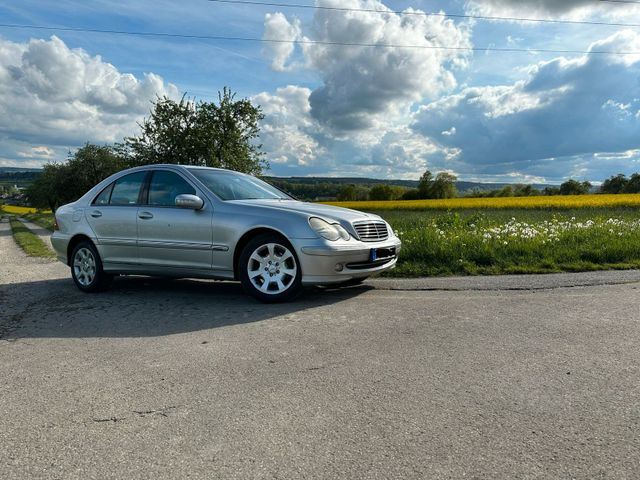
(246, 238)
(75, 240)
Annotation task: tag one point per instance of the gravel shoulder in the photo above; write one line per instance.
(510, 282)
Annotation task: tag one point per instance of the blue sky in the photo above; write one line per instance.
(339, 110)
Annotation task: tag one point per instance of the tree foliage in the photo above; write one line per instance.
(353, 192)
(442, 186)
(424, 185)
(62, 183)
(633, 185)
(386, 192)
(621, 184)
(222, 135)
(573, 187)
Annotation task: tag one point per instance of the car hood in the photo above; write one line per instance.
(316, 209)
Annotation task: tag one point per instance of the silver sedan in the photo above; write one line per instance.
(198, 222)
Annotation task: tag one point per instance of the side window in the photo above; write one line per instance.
(105, 195)
(166, 186)
(126, 189)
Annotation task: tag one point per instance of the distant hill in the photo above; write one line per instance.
(18, 169)
(462, 186)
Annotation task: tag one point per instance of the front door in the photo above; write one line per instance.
(171, 236)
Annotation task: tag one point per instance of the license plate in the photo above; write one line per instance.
(381, 253)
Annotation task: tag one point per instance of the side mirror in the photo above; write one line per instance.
(186, 200)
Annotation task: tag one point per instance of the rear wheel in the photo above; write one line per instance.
(86, 268)
(269, 269)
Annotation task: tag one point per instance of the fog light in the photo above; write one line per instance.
(339, 267)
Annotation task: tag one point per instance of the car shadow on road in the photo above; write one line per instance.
(144, 307)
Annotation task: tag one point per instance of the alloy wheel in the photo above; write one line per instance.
(84, 267)
(272, 268)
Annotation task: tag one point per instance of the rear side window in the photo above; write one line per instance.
(166, 186)
(105, 195)
(126, 189)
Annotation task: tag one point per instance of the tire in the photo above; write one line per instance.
(86, 268)
(269, 269)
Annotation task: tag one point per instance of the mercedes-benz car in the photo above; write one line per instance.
(198, 222)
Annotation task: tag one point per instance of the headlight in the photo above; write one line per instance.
(343, 233)
(330, 231)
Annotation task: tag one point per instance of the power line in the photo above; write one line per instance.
(432, 14)
(317, 42)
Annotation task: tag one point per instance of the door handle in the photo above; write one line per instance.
(96, 214)
(145, 215)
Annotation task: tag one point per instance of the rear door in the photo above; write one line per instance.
(113, 218)
(172, 236)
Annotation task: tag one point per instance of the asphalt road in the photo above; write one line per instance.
(506, 377)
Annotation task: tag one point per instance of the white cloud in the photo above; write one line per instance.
(552, 124)
(363, 85)
(574, 10)
(357, 119)
(278, 27)
(517, 7)
(287, 127)
(295, 141)
(40, 151)
(54, 96)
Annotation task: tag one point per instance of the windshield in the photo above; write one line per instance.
(237, 186)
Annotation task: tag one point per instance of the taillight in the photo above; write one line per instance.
(55, 224)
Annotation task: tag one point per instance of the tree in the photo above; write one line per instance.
(550, 191)
(444, 186)
(200, 133)
(62, 183)
(50, 189)
(573, 187)
(381, 192)
(614, 184)
(633, 185)
(424, 185)
(411, 194)
(506, 191)
(525, 190)
(353, 192)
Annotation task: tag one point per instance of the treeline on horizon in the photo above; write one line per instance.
(443, 185)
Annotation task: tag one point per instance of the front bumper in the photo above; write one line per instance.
(326, 262)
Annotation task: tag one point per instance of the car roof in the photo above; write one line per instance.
(178, 165)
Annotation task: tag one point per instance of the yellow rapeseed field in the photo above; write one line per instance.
(17, 210)
(540, 202)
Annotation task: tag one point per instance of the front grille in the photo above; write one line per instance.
(371, 231)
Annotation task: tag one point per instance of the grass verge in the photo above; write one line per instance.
(29, 241)
(44, 220)
(491, 242)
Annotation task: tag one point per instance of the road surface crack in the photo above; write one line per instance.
(163, 412)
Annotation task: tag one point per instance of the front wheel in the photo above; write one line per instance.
(86, 268)
(269, 269)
